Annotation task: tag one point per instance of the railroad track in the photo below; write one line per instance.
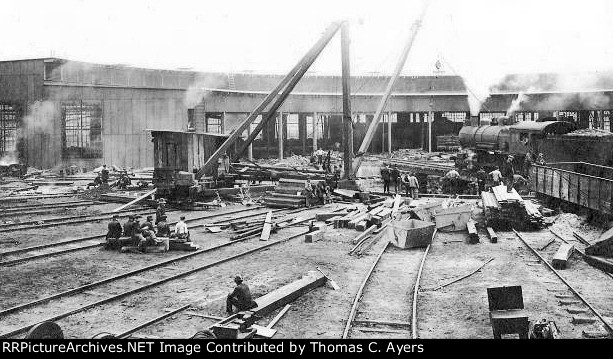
(152, 275)
(538, 244)
(52, 222)
(76, 244)
(44, 208)
(397, 273)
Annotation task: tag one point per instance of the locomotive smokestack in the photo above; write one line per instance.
(474, 120)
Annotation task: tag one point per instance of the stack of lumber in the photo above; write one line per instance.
(504, 210)
(289, 193)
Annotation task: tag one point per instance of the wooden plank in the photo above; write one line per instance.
(364, 234)
(136, 200)
(560, 259)
(288, 293)
(326, 215)
(267, 227)
(263, 331)
(472, 231)
(492, 234)
(278, 316)
(313, 236)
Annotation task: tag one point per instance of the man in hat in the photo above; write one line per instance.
(240, 297)
(128, 227)
(137, 232)
(114, 233)
(308, 192)
(181, 231)
(163, 229)
(395, 178)
(148, 224)
(104, 174)
(160, 210)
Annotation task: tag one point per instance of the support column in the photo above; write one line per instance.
(347, 123)
(389, 132)
(315, 130)
(280, 135)
(250, 148)
(430, 119)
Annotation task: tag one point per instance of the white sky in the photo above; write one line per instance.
(483, 38)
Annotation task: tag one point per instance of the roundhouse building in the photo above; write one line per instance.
(56, 112)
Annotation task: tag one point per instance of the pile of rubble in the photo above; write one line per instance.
(589, 132)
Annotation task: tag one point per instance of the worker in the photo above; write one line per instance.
(385, 176)
(395, 177)
(163, 228)
(114, 233)
(148, 224)
(327, 162)
(308, 192)
(496, 176)
(337, 176)
(181, 231)
(528, 159)
(160, 210)
(508, 172)
(137, 232)
(124, 181)
(413, 186)
(104, 174)
(453, 178)
(481, 178)
(240, 297)
(405, 183)
(128, 227)
(328, 195)
(97, 182)
(540, 159)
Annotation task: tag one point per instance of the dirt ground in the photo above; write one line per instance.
(459, 310)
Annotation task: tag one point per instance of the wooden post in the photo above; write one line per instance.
(315, 129)
(280, 134)
(389, 133)
(347, 123)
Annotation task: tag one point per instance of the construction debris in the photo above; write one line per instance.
(560, 259)
(505, 210)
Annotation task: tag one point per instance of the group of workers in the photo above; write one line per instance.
(323, 159)
(320, 192)
(393, 176)
(141, 235)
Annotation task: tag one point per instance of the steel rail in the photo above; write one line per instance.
(154, 284)
(572, 289)
(25, 259)
(358, 296)
(45, 205)
(51, 222)
(152, 321)
(416, 290)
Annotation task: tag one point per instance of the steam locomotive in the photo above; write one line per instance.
(488, 146)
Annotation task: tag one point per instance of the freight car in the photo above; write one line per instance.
(177, 155)
(586, 185)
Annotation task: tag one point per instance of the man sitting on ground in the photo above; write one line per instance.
(240, 297)
(114, 233)
(163, 228)
(181, 231)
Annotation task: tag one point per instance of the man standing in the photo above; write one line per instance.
(308, 192)
(385, 176)
(481, 177)
(240, 297)
(413, 186)
(160, 210)
(496, 177)
(508, 172)
(395, 177)
(114, 233)
(181, 231)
